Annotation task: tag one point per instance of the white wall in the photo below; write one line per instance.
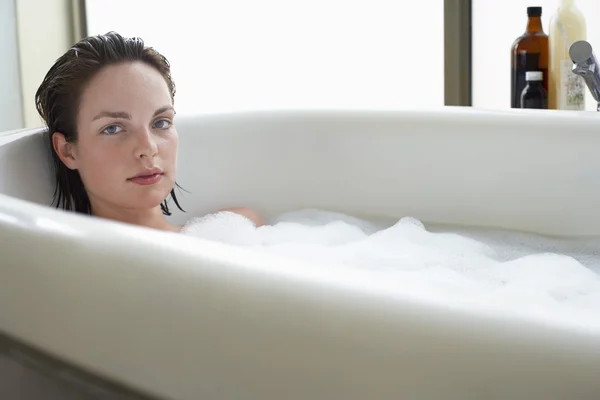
(237, 54)
(45, 33)
(496, 24)
(11, 114)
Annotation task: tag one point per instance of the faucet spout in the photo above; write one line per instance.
(585, 64)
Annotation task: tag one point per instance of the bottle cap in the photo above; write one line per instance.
(534, 11)
(534, 76)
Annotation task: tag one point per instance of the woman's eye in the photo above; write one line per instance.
(112, 129)
(162, 124)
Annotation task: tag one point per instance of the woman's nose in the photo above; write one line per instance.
(146, 145)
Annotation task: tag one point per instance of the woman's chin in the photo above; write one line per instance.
(149, 200)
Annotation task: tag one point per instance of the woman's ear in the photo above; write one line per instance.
(64, 150)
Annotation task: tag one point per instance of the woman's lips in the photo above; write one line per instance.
(149, 179)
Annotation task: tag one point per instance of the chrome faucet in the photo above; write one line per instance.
(585, 64)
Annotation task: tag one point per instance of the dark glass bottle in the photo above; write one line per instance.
(534, 94)
(529, 53)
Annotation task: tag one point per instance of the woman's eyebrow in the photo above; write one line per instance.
(163, 109)
(124, 115)
(112, 114)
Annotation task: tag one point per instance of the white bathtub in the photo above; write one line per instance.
(179, 318)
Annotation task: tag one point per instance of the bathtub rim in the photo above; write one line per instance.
(247, 264)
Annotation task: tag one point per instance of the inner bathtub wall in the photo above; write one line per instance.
(522, 170)
(528, 171)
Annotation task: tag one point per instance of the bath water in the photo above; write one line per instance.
(554, 280)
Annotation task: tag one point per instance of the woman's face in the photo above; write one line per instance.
(126, 150)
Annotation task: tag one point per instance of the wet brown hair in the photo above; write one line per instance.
(58, 97)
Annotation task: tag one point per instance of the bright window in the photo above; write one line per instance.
(230, 55)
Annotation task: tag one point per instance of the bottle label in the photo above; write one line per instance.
(572, 88)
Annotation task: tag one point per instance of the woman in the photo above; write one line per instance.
(108, 104)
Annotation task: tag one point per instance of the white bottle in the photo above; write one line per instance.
(566, 91)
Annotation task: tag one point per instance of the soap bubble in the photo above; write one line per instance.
(512, 272)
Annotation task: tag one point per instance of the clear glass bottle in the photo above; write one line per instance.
(566, 90)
